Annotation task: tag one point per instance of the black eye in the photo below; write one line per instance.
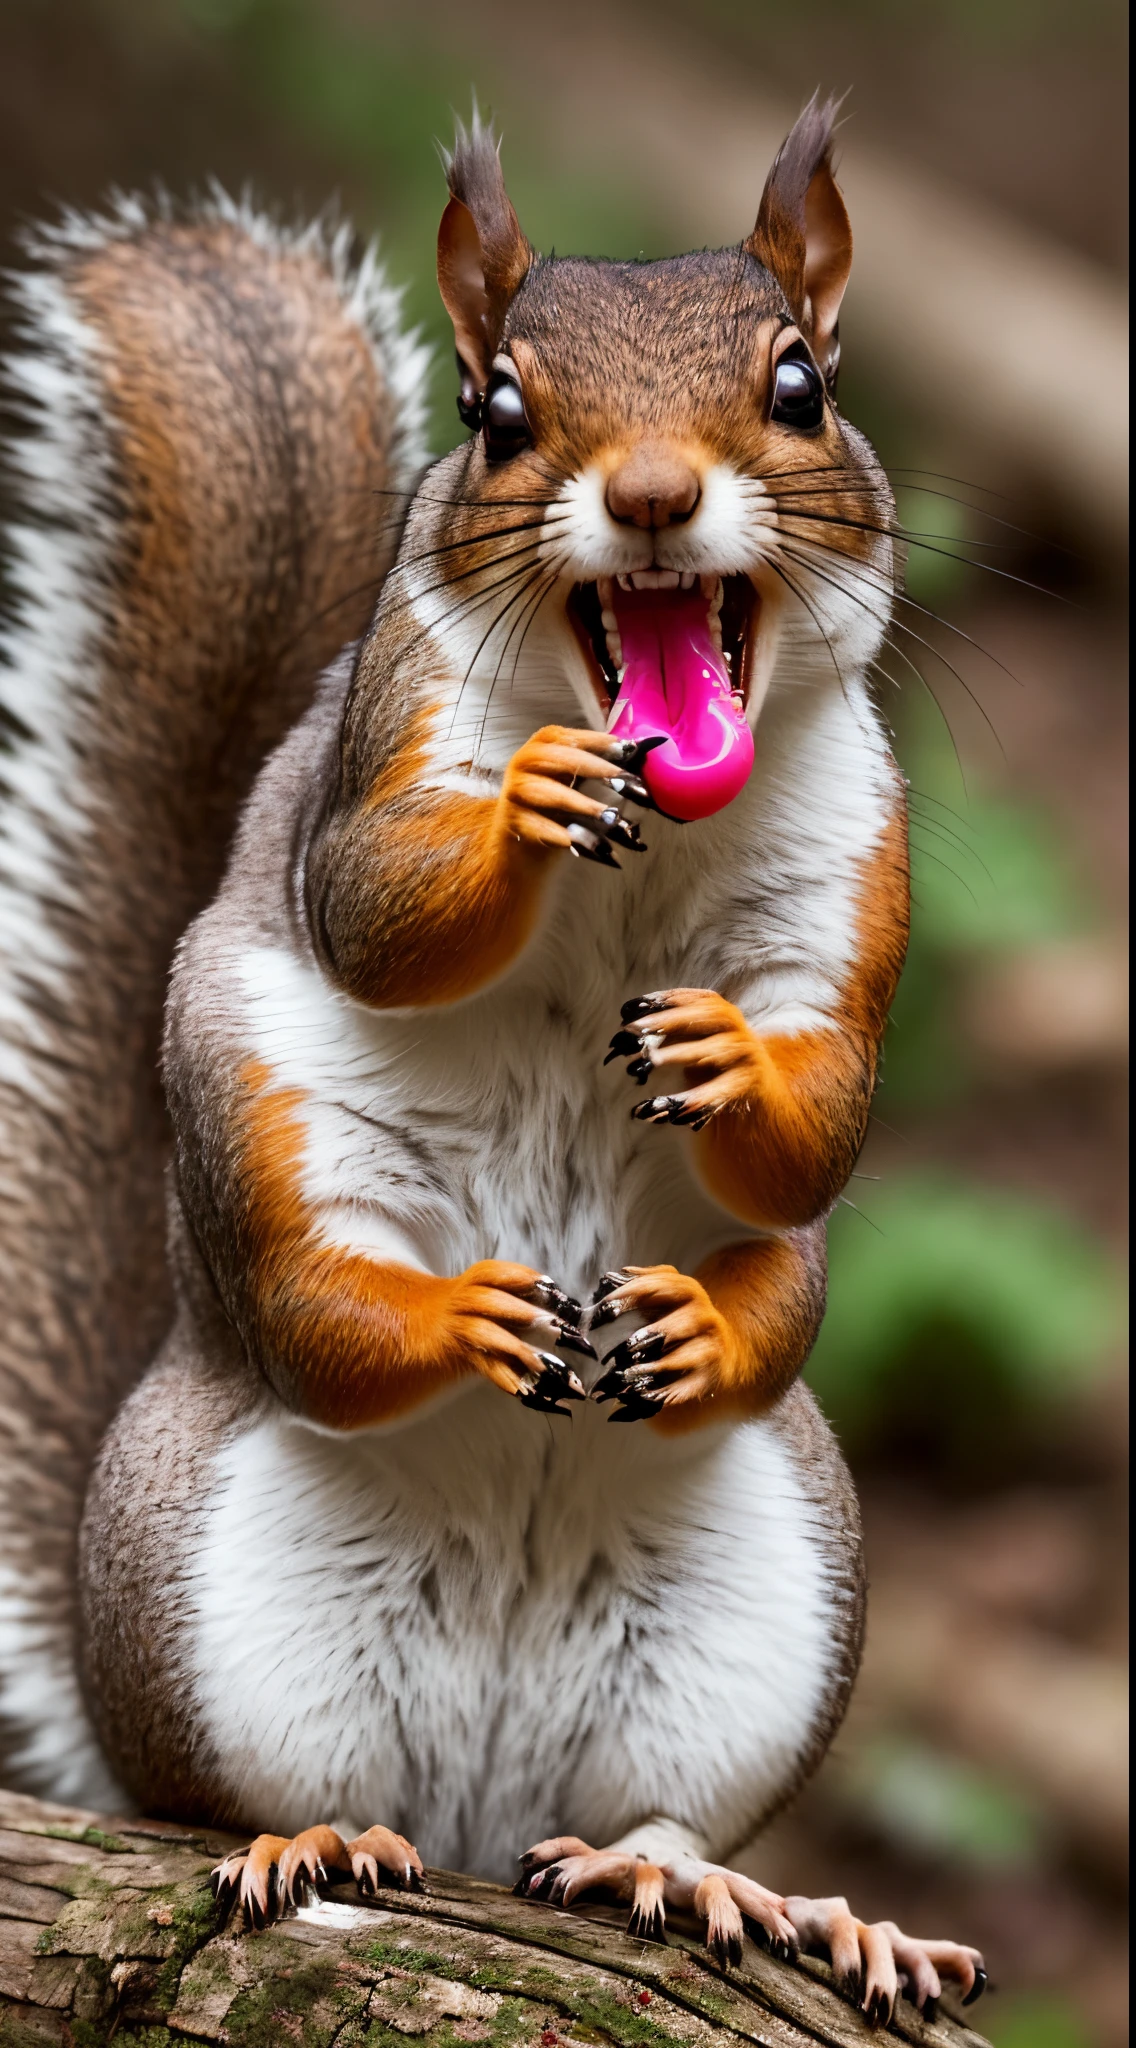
(503, 424)
(798, 391)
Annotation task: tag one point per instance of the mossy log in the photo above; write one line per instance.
(109, 1932)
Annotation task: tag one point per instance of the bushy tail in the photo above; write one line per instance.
(217, 414)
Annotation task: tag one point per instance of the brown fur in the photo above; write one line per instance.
(248, 433)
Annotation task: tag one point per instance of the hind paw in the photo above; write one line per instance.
(564, 1868)
(276, 1872)
(872, 1964)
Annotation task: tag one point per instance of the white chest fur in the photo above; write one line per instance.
(491, 1627)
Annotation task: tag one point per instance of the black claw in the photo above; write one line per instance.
(647, 1926)
(557, 1383)
(641, 1006)
(632, 753)
(540, 1886)
(643, 1349)
(624, 1045)
(879, 2009)
(607, 1285)
(546, 1294)
(693, 1117)
(640, 1069)
(623, 830)
(977, 1988)
(544, 1404)
(590, 846)
(635, 791)
(554, 1368)
(608, 1312)
(930, 2009)
(571, 1340)
(659, 1109)
(640, 750)
(734, 1949)
(610, 1388)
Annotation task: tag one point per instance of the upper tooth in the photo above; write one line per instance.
(686, 580)
(606, 592)
(708, 583)
(624, 582)
(654, 579)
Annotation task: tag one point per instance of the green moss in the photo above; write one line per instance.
(197, 1918)
(92, 1838)
(400, 1955)
(254, 2018)
(515, 2021)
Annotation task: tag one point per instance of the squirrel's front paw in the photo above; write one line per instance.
(685, 1352)
(542, 806)
(694, 1028)
(499, 1317)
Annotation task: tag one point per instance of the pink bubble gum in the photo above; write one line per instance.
(676, 686)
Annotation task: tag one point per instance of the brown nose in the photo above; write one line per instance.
(654, 487)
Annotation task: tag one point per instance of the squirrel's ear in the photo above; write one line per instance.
(482, 254)
(803, 234)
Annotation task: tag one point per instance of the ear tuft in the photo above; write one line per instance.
(802, 233)
(483, 256)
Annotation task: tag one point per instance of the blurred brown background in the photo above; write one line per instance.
(972, 1356)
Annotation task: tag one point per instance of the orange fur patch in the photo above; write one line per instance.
(347, 1340)
(780, 1154)
(426, 895)
(770, 1294)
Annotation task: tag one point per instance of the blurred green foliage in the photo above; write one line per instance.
(953, 1308)
(1041, 2021)
(990, 876)
(928, 1804)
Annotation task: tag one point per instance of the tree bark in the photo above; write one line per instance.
(109, 1932)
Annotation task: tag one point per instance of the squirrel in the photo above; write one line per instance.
(336, 755)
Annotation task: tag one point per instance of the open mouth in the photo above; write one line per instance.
(670, 658)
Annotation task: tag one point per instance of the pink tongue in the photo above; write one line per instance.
(676, 683)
